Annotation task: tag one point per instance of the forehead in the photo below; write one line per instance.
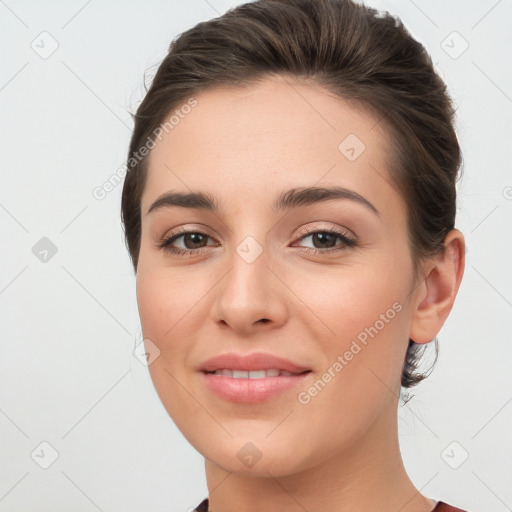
(280, 133)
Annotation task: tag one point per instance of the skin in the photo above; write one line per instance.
(340, 451)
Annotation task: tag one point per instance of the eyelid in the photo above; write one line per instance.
(186, 229)
(331, 229)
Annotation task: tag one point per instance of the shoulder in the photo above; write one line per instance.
(444, 507)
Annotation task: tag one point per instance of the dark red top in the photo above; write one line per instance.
(440, 507)
(443, 507)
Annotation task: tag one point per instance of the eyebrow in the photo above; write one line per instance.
(292, 198)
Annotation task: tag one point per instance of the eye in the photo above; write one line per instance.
(191, 241)
(325, 240)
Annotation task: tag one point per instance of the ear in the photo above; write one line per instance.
(436, 294)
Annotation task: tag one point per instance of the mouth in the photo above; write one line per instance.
(252, 378)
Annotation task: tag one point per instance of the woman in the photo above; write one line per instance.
(289, 210)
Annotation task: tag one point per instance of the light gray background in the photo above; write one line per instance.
(68, 325)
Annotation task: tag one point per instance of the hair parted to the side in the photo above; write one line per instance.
(353, 51)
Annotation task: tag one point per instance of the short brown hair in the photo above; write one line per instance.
(354, 51)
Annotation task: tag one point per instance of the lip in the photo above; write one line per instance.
(251, 362)
(251, 391)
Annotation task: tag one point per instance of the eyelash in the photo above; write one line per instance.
(347, 242)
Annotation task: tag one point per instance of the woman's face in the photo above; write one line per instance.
(319, 286)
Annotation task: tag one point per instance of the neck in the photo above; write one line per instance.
(370, 476)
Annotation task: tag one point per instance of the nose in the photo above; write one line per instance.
(250, 297)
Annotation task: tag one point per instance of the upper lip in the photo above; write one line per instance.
(251, 362)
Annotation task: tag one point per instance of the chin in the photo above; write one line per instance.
(256, 458)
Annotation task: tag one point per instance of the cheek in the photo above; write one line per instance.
(154, 307)
(348, 299)
(362, 361)
(167, 304)
(166, 307)
(166, 299)
(365, 309)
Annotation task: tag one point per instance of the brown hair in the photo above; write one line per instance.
(354, 51)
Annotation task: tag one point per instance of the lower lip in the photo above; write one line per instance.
(251, 391)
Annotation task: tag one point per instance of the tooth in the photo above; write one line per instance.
(257, 374)
(224, 372)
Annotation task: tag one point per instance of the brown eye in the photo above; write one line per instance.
(190, 241)
(328, 241)
(194, 240)
(324, 240)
